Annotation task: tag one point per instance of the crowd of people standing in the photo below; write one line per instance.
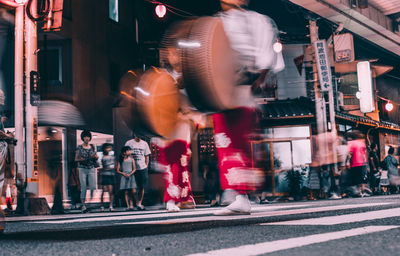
(355, 171)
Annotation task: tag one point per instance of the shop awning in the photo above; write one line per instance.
(287, 109)
(367, 121)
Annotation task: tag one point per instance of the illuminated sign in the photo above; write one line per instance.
(344, 48)
(323, 65)
(35, 149)
(365, 87)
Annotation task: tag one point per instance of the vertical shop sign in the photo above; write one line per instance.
(323, 65)
(35, 149)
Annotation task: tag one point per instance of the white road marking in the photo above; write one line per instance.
(279, 245)
(256, 215)
(341, 219)
(154, 214)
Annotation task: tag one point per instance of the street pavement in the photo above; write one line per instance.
(356, 226)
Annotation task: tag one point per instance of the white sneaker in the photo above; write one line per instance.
(334, 196)
(172, 207)
(239, 207)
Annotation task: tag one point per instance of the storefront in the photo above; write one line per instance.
(284, 149)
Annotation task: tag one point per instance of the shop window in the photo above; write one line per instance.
(50, 66)
(288, 132)
(67, 9)
(301, 152)
(113, 12)
(282, 158)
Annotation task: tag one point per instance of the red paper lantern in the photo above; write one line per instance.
(161, 10)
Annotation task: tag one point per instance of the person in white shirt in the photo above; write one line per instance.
(141, 154)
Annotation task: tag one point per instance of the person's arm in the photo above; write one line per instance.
(133, 168)
(147, 160)
(372, 163)
(119, 171)
(78, 158)
(6, 136)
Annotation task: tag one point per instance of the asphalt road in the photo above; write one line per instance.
(360, 226)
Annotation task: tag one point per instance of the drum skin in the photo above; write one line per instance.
(158, 101)
(208, 66)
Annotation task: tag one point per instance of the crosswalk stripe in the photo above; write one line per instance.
(341, 219)
(257, 212)
(155, 214)
(255, 215)
(279, 245)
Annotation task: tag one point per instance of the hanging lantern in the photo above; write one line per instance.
(389, 106)
(161, 10)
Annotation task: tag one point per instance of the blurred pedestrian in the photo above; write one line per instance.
(74, 185)
(126, 168)
(107, 174)
(5, 139)
(342, 153)
(251, 35)
(86, 158)
(374, 168)
(175, 160)
(358, 160)
(393, 170)
(141, 154)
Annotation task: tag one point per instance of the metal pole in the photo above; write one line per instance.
(31, 119)
(19, 153)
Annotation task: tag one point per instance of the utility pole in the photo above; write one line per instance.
(31, 112)
(19, 92)
(320, 104)
(320, 113)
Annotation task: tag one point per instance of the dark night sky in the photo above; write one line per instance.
(290, 19)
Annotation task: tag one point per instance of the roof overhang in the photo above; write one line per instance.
(339, 11)
(351, 67)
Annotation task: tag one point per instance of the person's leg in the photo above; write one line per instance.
(232, 129)
(104, 189)
(82, 179)
(134, 198)
(111, 195)
(127, 199)
(142, 183)
(92, 181)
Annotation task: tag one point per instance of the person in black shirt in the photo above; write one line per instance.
(374, 168)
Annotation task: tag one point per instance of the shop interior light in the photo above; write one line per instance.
(389, 106)
(358, 95)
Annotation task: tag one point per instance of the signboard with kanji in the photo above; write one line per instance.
(323, 65)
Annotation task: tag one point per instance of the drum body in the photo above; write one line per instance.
(151, 102)
(208, 65)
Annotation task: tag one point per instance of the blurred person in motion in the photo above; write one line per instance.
(107, 175)
(342, 152)
(5, 139)
(126, 168)
(393, 171)
(357, 159)
(141, 154)
(174, 160)
(86, 159)
(374, 168)
(251, 36)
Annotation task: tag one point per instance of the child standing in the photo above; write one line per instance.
(126, 168)
(107, 175)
